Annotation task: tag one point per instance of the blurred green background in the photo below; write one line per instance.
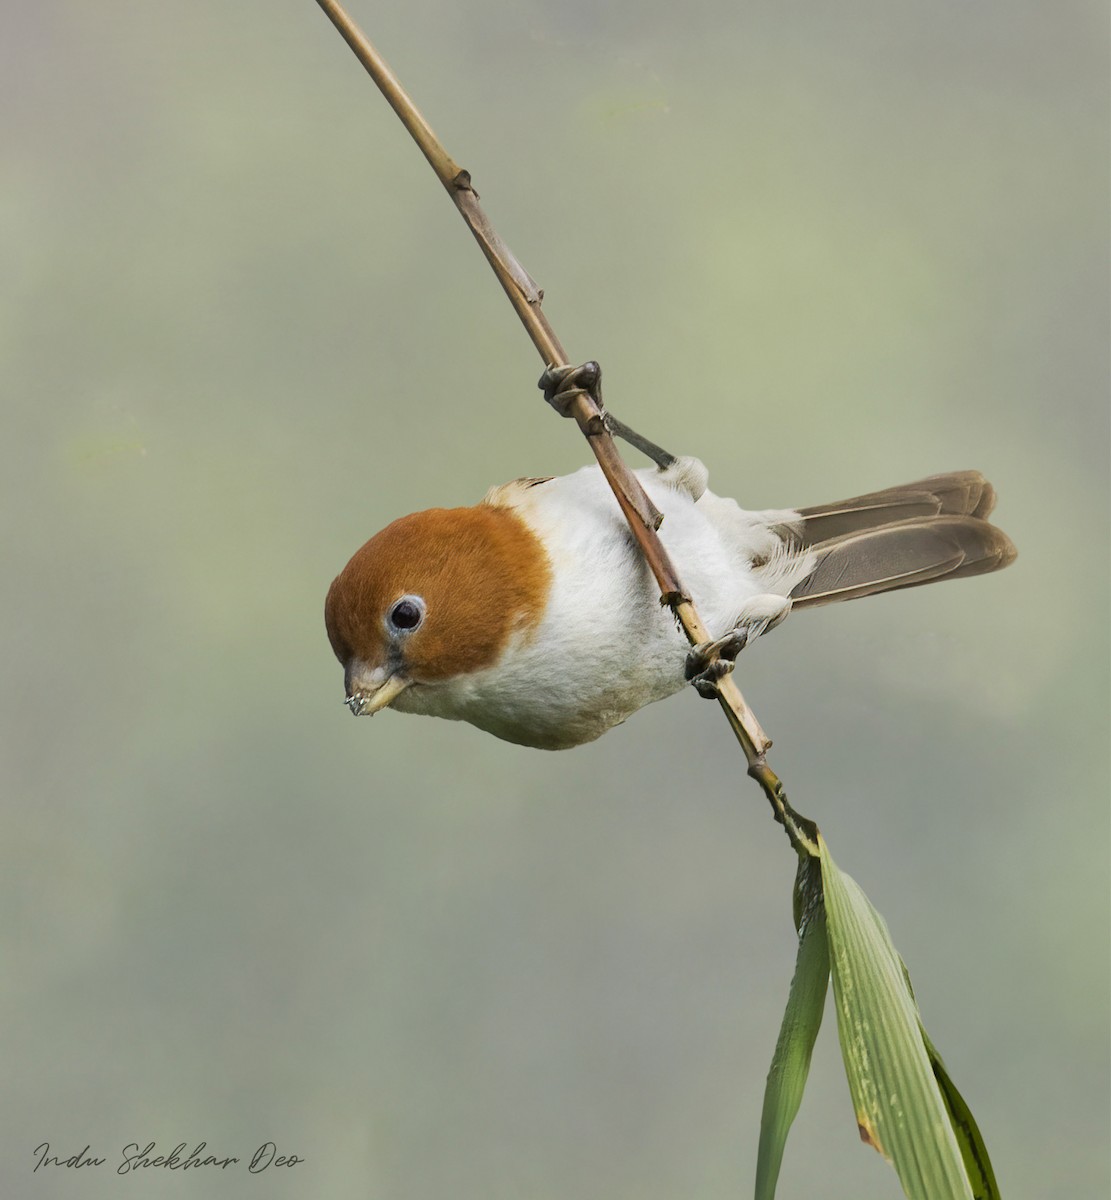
(827, 248)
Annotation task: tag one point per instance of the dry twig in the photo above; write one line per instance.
(639, 511)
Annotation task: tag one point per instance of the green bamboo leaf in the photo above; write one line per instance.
(801, 1022)
(900, 1109)
(971, 1141)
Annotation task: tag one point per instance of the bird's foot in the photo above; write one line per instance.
(710, 661)
(563, 385)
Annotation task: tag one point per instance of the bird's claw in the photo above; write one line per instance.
(709, 662)
(562, 385)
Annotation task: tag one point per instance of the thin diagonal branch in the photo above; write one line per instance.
(642, 517)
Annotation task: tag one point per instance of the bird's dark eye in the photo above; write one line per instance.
(407, 613)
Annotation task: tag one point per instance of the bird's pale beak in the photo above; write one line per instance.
(366, 701)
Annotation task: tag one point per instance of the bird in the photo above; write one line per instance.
(533, 616)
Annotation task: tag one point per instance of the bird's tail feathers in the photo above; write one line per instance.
(899, 537)
(958, 494)
(904, 553)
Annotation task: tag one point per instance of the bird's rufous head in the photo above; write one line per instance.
(435, 595)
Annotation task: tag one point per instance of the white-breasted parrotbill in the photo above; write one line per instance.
(532, 615)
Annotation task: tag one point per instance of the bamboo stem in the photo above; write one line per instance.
(641, 515)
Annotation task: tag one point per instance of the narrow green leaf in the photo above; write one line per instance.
(801, 1021)
(973, 1151)
(899, 1105)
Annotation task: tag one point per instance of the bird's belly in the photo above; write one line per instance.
(552, 703)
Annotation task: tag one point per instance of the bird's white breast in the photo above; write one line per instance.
(605, 646)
